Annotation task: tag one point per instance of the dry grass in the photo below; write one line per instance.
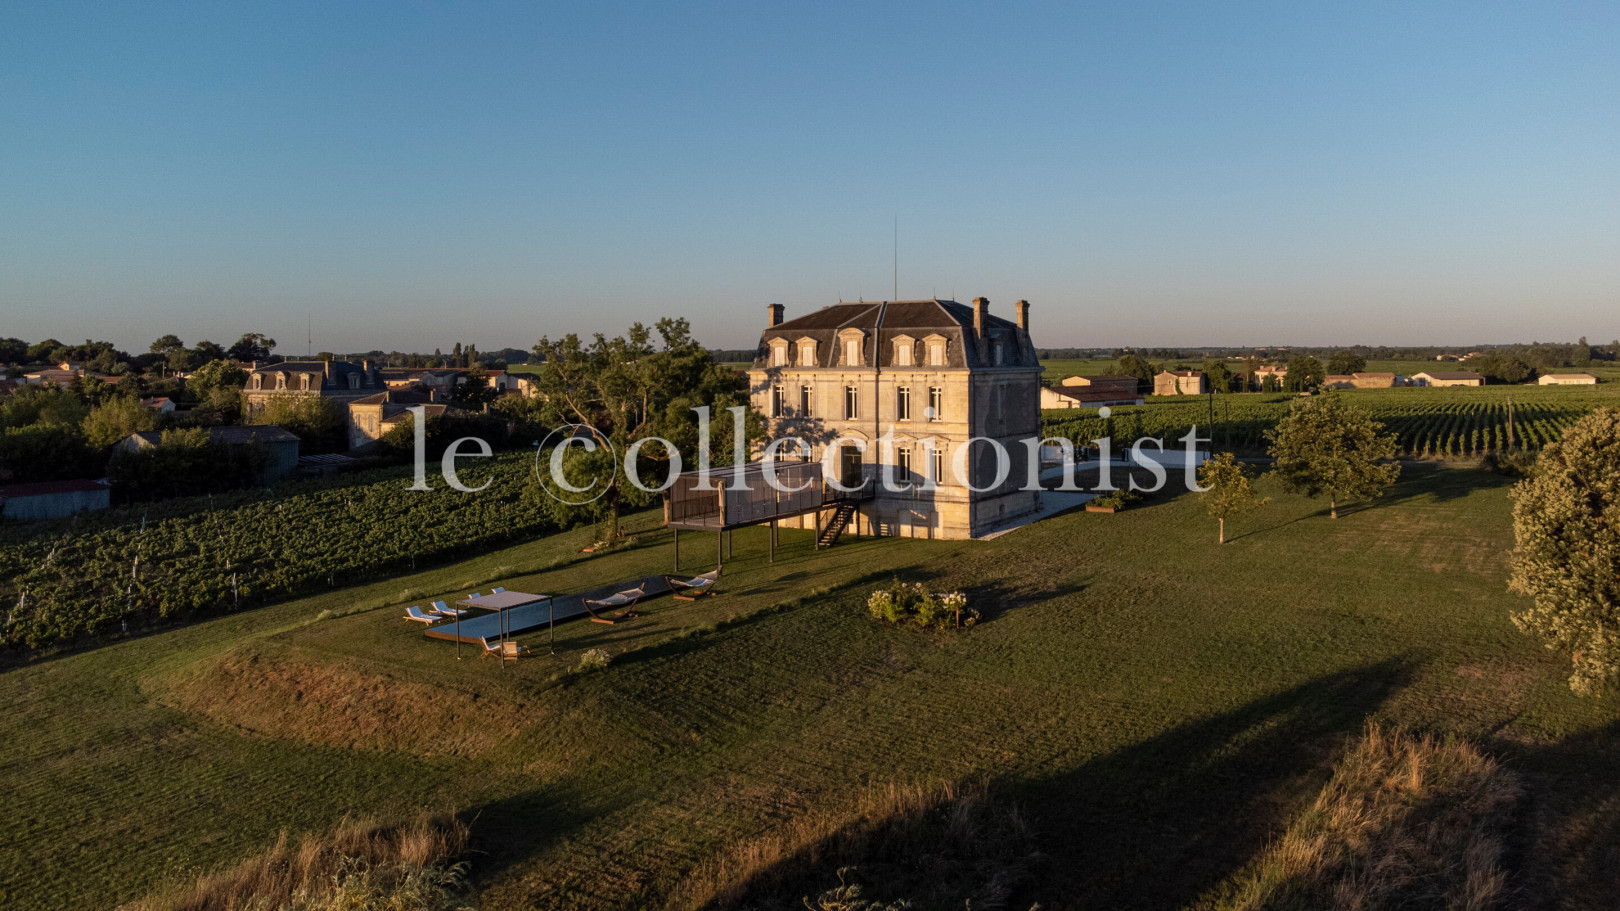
(281, 693)
(358, 865)
(935, 846)
(1405, 822)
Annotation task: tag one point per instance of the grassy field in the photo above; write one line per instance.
(1057, 369)
(1158, 706)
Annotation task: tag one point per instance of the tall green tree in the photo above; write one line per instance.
(1566, 529)
(1503, 367)
(632, 388)
(1219, 374)
(252, 346)
(115, 419)
(1346, 362)
(1305, 373)
(1139, 367)
(1325, 447)
(1229, 490)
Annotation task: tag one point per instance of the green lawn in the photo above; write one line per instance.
(1158, 706)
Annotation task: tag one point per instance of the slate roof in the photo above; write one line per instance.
(883, 321)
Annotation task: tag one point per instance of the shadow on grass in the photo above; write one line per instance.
(1565, 849)
(1154, 825)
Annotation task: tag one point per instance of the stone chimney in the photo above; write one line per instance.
(981, 310)
(329, 380)
(370, 368)
(775, 311)
(1022, 309)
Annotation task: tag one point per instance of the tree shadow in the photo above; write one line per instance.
(1564, 853)
(1159, 823)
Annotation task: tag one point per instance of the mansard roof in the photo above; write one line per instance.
(882, 322)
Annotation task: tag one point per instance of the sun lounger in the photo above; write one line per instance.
(446, 610)
(620, 601)
(499, 590)
(415, 613)
(695, 587)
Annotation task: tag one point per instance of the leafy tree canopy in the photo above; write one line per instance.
(1304, 373)
(1346, 362)
(1327, 447)
(1566, 526)
(1229, 489)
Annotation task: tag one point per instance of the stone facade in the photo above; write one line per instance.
(903, 385)
(339, 380)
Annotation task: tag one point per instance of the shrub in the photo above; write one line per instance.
(594, 660)
(1119, 499)
(903, 603)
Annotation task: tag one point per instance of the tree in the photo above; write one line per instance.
(1304, 373)
(1566, 528)
(219, 374)
(181, 360)
(207, 351)
(252, 346)
(1503, 367)
(1220, 375)
(1229, 490)
(116, 419)
(1324, 446)
(1139, 367)
(1343, 363)
(473, 392)
(167, 345)
(12, 350)
(628, 389)
(321, 424)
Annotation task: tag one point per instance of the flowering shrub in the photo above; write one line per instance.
(910, 603)
(594, 660)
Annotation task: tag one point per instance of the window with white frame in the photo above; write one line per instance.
(1000, 354)
(806, 398)
(939, 466)
(852, 403)
(902, 463)
(776, 401)
(807, 354)
(778, 355)
(852, 352)
(936, 403)
(902, 403)
(936, 354)
(902, 354)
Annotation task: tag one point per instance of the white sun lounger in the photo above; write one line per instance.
(448, 611)
(498, 590)
(415, 613)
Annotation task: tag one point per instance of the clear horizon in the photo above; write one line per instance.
(1180, 176)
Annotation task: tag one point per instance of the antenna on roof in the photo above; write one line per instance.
(309, 337)
(897, 256)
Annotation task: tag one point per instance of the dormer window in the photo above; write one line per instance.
(354, 381)
(779, 352)
(852, 352)
(807, 352)
(905, 348)
(258, 381)
(281, 381)
(305, 381)
(1000, 353)
(936, 350)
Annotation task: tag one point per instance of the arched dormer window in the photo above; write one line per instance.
(905, 351)
(851, 347)
(258, 381)
(281, 381)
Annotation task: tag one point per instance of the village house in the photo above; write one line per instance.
(1447, 378)
(162, 404)
(372, 417)
(1069, 397)
(1361, 381)
(1180, 382)
(53, 499)
(1567, 379)
(339, 380)
(1120, 381)
(928, 375)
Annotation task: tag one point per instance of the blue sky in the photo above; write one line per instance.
(1144, 173)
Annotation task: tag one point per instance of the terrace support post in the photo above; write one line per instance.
(677, 550)
(773, 540)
